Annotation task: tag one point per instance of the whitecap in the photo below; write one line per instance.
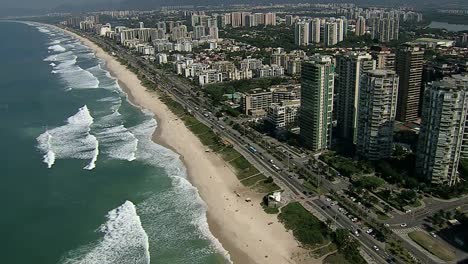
(44, 145)
(187, 195)
(124, 241)
(57, 48)
(72, 140)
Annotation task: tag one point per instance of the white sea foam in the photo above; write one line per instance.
(187, 195)
(43, 29)
(120, 143)
(44, 141)
(125, 241)
(123, 232)
(92, 164)
(72, 140)
(72, 74)
(57, 48)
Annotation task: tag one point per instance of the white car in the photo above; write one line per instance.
(328, 199)
(403, 225)
(369, 231)
(340, 209)
(376, 248)
(433, 234)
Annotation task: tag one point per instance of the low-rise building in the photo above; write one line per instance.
(209, 76)
(256, 102)
(284, 114)
(270, 71)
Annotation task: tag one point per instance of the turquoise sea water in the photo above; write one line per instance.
(81, 180)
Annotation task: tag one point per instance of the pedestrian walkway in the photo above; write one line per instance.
(406, 231)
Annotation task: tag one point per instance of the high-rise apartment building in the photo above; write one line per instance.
(317, 84)
(360, 26)
(376, 114)
(270, 19)
(330, 36)
(314, 30)
(443, 136)
(349, 68)
(236, 19)
(301, 34)
(340, 28)
(384, 57)
(385, 29)
(199, 32)
(409, 66)
(290, 20)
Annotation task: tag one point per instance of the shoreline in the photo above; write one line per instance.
(242, 228)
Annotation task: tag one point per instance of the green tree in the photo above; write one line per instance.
(370, 182)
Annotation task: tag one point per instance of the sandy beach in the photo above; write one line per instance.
(241, 227)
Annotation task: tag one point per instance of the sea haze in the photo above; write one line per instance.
(82, 181)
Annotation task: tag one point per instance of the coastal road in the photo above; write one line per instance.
(342, 221)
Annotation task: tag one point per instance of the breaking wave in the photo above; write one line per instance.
(72, 140)
(124, 241)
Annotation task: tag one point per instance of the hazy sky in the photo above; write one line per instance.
(43, 3)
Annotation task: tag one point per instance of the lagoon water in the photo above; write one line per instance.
(447, 26)
(81, 180)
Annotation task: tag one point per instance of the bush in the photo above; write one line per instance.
(306, 228)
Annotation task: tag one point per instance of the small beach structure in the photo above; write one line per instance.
(273, 199)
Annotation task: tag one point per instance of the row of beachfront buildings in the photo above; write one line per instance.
(360, 96)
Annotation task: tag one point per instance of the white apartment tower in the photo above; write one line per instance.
(349, 68)
(360, 26)
(314, 30)
(376, 114)
(301, 34)
(443, 136)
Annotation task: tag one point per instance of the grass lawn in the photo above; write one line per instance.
(265, 187)
(322, 251)
(270, 210)
(190, 120)
(309, 186)
(209, 139)
(382, 216)
(396, 249)
(240, 164)
(336, 258)
(432, 245)
(229, 154)
(243, 168)
(252, 180)
(199, 129)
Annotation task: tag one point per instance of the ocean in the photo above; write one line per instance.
(81, 180)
